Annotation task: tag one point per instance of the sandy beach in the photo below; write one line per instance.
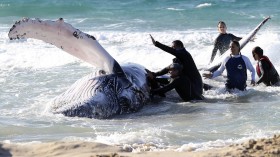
(260, 147)
(34, 73)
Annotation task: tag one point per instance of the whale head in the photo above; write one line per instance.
(103, 96)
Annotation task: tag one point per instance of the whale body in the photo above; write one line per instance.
(109, 91)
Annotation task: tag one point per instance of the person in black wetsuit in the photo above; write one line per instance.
(222, 42)
(265, 69)
(189, 71)
(177, 81)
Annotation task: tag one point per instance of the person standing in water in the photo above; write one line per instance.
(265, 69)
(184, 58)
(222, 42)
(236, 66)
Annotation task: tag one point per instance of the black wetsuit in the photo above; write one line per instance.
(182, 86)
(190, 70)
(222, 43)
(266, 71)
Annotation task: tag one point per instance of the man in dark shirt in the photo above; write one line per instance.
(189, 71)
(222, 42)
(177, 81)
(265, 69)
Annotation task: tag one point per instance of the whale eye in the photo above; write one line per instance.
(102, 72)
(124, 104)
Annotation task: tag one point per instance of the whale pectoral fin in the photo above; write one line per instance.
(69, 39)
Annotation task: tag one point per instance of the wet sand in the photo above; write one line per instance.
(262, 147)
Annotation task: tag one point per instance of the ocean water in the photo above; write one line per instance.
(33, 72)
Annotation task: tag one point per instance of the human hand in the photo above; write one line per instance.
(207, 75)
(153, 40)
(253, 39)
(253, 83)
(151, 75)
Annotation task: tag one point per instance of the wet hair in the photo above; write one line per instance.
(258, 51)
(178, 43)
(236, 43)
(176, 66)
(222, 22)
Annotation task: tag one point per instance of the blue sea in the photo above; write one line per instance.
(33, 72)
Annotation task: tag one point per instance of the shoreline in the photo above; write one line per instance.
(260, 147)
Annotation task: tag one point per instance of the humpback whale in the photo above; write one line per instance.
(109, 91)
